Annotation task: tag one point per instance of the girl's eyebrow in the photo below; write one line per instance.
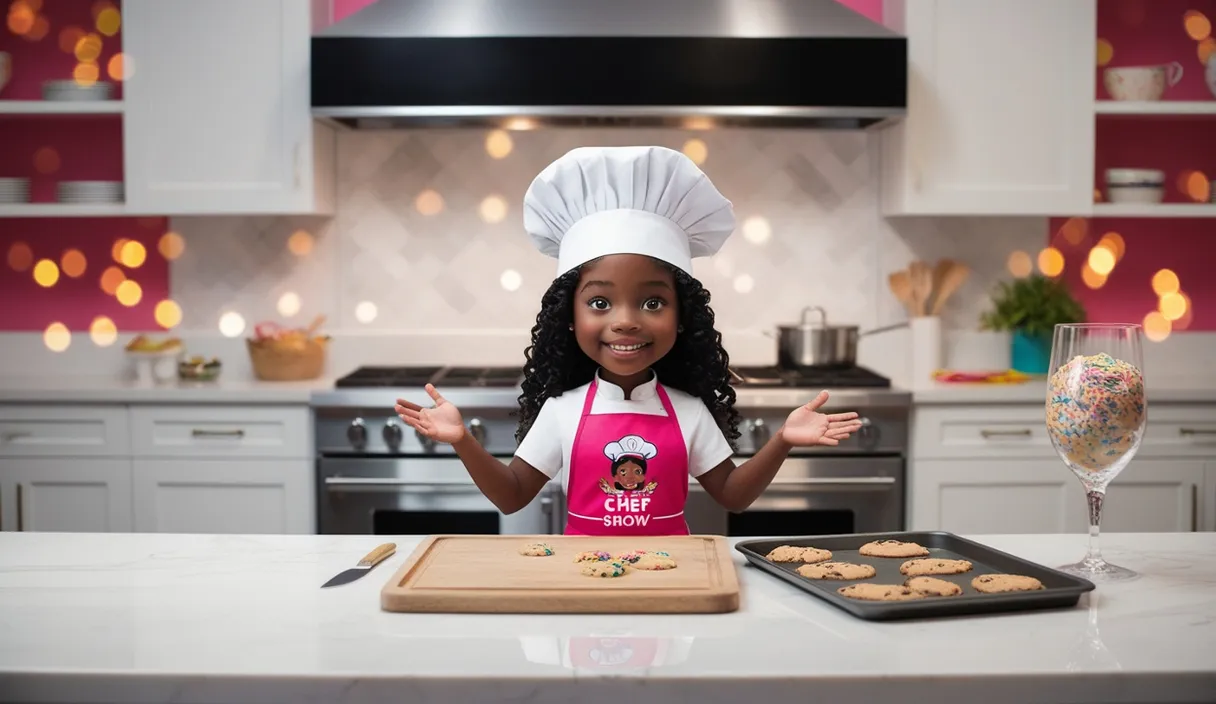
(589, 284)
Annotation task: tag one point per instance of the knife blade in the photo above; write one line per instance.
(364, 566)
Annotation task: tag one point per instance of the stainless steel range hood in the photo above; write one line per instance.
(692, 63)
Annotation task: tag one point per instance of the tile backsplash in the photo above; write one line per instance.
(428, 236)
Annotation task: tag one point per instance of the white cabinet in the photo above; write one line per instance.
(1000, 109)
(223, 496)
(81, 494)
(198, 468)
(218, 111)
(991, 469)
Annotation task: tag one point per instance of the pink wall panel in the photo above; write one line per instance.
(34, 62)
(76, 301)
(1185, 246)
(47, 150)
(1151, 33)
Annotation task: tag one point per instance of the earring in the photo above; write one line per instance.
(679, 328)
(571, 326)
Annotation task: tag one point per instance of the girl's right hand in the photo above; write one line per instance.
(441, 422)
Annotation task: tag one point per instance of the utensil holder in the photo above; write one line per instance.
(926, 348)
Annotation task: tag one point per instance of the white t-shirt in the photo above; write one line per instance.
(549, 441)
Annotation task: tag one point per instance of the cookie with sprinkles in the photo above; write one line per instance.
(1095, 410)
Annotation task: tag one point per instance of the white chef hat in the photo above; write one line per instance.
(630, 445)
(595, 201)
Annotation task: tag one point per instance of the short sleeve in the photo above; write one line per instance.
(542, 445)
(707, 446)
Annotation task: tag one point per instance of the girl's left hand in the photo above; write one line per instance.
(806, 426)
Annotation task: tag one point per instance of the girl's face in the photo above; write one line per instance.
(625, 315)
(629, 475)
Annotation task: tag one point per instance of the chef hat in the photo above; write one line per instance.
(626, 200)
(630, 445)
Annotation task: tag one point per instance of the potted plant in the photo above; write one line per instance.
(1030, 309)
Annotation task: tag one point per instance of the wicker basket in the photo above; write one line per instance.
(287, 360)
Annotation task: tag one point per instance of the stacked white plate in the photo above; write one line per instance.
(1212, 192)
(14, 190)
(71, 90)
(89, 192)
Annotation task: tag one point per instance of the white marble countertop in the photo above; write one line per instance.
(1178, 389)
(102, 389)
(209, 618)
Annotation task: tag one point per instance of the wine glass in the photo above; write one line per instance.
(1095, 418)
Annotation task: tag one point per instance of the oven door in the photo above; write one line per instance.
(415, 496)
(811, 496)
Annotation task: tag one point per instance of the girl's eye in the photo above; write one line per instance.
(598, 304)
(653, 304)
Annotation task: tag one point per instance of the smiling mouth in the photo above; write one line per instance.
(626, 348)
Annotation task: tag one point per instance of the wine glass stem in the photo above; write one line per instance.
(1095, 520)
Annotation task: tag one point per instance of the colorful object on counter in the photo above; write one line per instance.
(1030, 353)
(1095, 409)
(593, 556)
(1008, 376)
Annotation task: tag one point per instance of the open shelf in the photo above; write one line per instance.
(1154, 210)
(61, 107)
(65, 210)
(1156, 108)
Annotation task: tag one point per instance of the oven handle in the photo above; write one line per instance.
(860, 483)
(342, 483)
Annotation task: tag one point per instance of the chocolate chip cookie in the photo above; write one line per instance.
(892, 548)
(995, 583)
(932, 586)
(880, 592)
(934, 565)
(836, 570)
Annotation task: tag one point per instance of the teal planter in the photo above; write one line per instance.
(1031, 354)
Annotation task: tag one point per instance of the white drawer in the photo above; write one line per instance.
(976, 432)
(1180, 430)
(1020, 430)
(63, 431)
(221, 431)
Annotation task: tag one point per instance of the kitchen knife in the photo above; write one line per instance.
(364, 566)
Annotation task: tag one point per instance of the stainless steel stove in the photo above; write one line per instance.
(375, 475)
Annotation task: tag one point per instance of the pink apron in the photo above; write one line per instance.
(628, 473)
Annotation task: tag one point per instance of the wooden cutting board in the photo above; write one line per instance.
(486, 574)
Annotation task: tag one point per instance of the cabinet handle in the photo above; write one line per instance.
(1194, 508)
(199, 433)
(1023, 433)
(1186, 432)
(20, 507)
(10, 438)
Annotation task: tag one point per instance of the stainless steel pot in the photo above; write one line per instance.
(810, 344)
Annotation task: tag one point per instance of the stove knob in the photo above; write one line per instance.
(478, 430)
(356, 433)
(760, 433)
(392, 433)
(427, 443)
(868, 434)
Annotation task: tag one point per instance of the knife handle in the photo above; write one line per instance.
(374, 557)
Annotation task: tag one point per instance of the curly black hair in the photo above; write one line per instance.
(697, 365)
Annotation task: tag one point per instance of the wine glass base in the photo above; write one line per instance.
(1099, 571)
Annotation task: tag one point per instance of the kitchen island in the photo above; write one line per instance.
(239, 618)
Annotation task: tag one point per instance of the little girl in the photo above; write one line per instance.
(626, 385)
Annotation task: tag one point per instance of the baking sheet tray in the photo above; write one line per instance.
(1059, 589)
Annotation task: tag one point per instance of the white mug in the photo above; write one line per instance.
(1141, 82)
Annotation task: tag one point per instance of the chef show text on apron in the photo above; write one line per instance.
(628, 473)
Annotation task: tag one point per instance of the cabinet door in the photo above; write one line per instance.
(990, 496)
(1000, 109)
(218, 115)
(1149, 496)
(224, 496)
(67, 494)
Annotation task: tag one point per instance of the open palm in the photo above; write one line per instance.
(441, 422)
(805, 426)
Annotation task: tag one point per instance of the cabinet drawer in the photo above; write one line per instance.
(63, 431)
(976, 432)
(221, 431)
(1180, 430)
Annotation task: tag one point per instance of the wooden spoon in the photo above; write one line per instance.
(922, 284)
(312, 328)
(901, 286)
(951, 280)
